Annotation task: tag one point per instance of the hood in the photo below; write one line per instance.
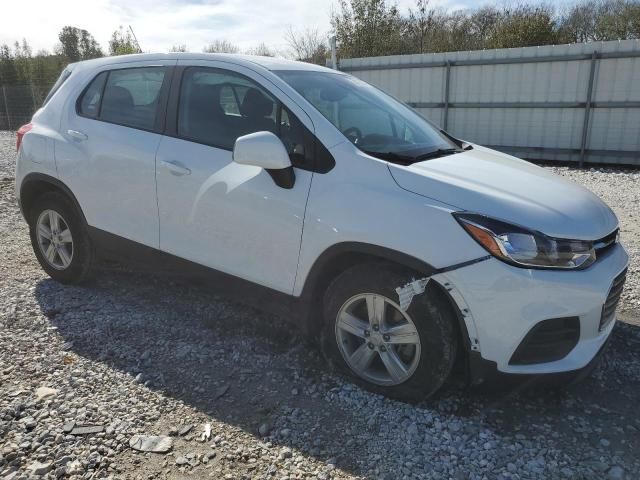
(503, 187)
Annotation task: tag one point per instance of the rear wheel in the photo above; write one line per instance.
(402, 354)
(59, 239)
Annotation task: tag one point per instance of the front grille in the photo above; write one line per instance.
(609, 307)
(548, 341)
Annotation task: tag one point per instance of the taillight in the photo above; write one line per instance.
(21, 131)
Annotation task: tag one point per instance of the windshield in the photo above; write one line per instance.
(373, 121)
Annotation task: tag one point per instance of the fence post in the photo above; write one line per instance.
(447, 79)
(587, 109)
(33, 98)
(334, 55)
(6, 107)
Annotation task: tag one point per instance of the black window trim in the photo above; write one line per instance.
(62, 78)
(173, 105)
(163, 98)
(84, 92)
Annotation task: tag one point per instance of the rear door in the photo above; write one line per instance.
(215, 212)
(110, 137)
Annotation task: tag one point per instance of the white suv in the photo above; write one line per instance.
(402, 249)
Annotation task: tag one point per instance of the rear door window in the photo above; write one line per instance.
(131, 97)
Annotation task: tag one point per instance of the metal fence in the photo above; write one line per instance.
(573, 103)
(18, 103)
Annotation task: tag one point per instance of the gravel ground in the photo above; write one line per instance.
(84, 371)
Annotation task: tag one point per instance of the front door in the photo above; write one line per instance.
(220, 214)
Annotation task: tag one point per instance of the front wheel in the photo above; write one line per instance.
(401, 354)
(59, 239)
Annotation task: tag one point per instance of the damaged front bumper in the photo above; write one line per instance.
(500, 304)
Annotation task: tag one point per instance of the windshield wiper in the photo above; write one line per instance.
(392, 157)
(441, 152)
(409, 159)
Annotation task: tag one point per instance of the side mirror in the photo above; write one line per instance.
(265, 150)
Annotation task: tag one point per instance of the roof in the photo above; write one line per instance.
(269, 63)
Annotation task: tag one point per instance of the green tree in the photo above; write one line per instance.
(78, 44)
(89, 47)
(524, 26)
(421, 25)
(366, 28)
(8, 74)
(23, 64)
(122, 43)
(617, 20)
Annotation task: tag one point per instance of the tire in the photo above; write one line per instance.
(427, 325)
(76, 264)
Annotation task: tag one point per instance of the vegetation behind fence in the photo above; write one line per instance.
(363, 28)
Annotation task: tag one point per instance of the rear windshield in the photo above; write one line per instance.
(61, 79)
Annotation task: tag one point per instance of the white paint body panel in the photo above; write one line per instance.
(233, 217)
(506, 302)
(503, 187)
(228, 216)
(358, 201)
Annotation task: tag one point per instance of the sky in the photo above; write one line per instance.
(160, 24)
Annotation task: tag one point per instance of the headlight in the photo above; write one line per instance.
(522, 247)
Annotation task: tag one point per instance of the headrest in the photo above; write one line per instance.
(256, 104)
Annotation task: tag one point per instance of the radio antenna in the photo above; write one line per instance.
(136, 39)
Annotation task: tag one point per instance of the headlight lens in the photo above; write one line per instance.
(519, 246)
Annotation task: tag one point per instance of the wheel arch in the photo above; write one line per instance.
(35, 184)
(340, 257)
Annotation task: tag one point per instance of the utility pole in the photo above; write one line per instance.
(136, 39)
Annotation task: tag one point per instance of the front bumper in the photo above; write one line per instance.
(503, 303)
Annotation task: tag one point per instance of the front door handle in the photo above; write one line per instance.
(77, 135)
(176, 168)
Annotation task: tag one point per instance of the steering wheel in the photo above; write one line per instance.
(354, 134)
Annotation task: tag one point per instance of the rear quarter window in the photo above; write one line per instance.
(131, 97)
(89, 103)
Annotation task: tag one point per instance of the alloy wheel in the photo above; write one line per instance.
(377, 339)
(54, 239)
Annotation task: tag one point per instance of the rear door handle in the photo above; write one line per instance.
(77, 135)
(176, 168)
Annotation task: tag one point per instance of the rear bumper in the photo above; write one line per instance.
(503, 304)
